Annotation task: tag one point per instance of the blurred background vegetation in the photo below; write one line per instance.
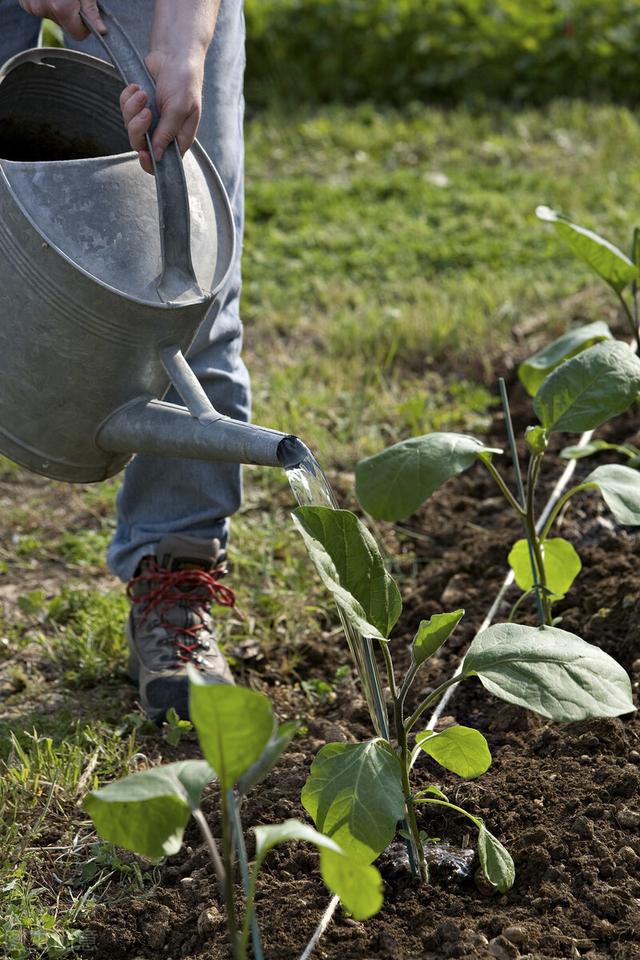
(445, 51)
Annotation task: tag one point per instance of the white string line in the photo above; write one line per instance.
(325, 920)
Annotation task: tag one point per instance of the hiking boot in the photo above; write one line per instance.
(170, 625)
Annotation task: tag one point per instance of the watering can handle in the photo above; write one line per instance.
(177, 282)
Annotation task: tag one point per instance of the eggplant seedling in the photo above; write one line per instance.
(147, 812)
(618, 270)
(579, 394)
(357, 793)
(621, 273)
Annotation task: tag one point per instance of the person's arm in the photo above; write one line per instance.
(181, 34)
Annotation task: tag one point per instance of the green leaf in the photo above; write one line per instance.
(147, 812)
(233, 724)
(270, 836)
(432, 633)
(269, 756)
(495, 860)
(393, 484)
(496, 863)
(354, 795)
(533, 371)
(603, 257)
(561, 563)
(350, 565)
(550, 671)
(462, 750)
(578, 451)
(589, 389)
(358, 885)
(620, 489)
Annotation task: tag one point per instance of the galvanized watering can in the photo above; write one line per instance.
(105, 277)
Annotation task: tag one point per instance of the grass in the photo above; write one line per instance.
(388, 258)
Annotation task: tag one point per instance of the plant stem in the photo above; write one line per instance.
(629, 316)
(518, 603)
(535, 542)
(435, 695)
(391, 677)
(511, 500)
(415, 853)
(504, 397)
(212, 847)
(511, 437)
(558, 507)
(416, 843)
(406, 683)
(227, 856)
(241, 850)
(249, 909)
(373, 683)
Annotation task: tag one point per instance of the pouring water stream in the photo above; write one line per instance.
(311, 488)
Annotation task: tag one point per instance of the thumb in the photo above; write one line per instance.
(168, 128)
(92, 13)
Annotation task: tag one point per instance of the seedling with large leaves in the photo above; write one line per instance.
(147, 812)
(620, 272)
(358, 793)
(588, 384)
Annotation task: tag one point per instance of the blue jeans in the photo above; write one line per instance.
(162, 496)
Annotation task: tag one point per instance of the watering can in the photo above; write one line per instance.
(105, 276)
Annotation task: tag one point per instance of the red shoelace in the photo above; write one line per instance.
(193, 588)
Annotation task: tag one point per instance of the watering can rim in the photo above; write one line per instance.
(37, 55)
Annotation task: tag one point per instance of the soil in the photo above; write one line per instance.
(564, 799)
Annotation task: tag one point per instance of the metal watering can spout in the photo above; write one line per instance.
(194, 431)
(105, 277)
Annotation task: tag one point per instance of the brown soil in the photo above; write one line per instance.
(563, 799)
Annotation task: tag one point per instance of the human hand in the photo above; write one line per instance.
(179, 101)
(66, 13)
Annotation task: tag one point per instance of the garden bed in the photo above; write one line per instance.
(564, 799)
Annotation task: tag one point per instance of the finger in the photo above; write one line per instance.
(169, 125)
(145, 161)
(90, 9)
(128, 91)
(137, 129)
(187, 134)
(175, 123)
(67, 14)
(133, 106)
(34, 7)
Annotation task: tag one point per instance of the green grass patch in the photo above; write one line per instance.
(43, 776)
(84, 634)
(390, 254)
